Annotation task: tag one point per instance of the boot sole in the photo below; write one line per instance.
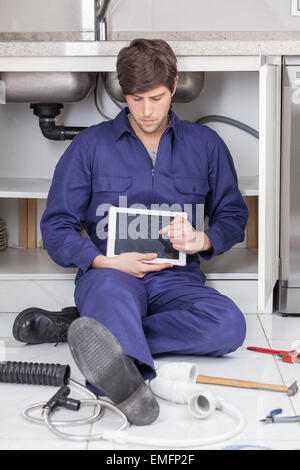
(22, 315)
(19, 318)
(103, 363)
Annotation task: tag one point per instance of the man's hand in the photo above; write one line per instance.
(131, 263)
(185, 238)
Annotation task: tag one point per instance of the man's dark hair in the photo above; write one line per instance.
(146, 64)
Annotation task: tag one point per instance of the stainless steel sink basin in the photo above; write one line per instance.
(49, 87)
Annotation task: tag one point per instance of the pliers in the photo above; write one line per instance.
(287, 356)
(273, 418)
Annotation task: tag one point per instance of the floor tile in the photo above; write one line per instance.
(254, 328)
(35, 444)
(278, 327)
(276, 444)
(6, 324)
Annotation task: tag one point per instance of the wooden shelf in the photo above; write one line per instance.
(248, 185)
(24, 188)
(237, 263)
(31, 263)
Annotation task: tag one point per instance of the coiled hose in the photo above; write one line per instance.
(34, 373)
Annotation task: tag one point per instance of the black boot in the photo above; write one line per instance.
(35, 325)
(105, 366)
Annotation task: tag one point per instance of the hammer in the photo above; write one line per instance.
(204, 379)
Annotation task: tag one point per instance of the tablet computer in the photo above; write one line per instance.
(136, 230)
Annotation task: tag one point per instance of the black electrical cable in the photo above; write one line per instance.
(231, 122)
(96, 99)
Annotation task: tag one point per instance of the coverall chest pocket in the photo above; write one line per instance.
(108, 188)
(191, 189)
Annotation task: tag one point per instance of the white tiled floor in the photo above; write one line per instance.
(173, 422)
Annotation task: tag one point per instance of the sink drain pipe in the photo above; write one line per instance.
(47, 113)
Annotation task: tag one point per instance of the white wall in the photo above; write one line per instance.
(202, 15)
(149, 15)
(45, 15)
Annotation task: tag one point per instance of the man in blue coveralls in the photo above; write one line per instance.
(149, 308)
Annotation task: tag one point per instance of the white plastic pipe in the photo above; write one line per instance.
(184, 371)
(176, 382)
(201, 403)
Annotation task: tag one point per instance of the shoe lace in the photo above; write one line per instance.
(61, 328)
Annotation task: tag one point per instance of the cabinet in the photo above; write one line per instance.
(247, 275)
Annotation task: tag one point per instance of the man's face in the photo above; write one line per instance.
(149, 109)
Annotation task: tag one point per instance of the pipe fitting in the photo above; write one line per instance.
(202, 405)
(47, 113)
(183, 371)
(177, 383)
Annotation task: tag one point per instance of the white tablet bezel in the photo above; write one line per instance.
(111, 235)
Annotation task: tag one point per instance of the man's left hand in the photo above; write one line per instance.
(185, 238)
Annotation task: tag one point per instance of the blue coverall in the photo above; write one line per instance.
(168, 311)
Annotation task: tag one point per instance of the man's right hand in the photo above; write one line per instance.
(131, 263)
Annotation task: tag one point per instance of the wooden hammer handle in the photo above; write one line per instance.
(204, 379)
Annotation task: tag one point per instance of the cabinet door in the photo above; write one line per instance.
(269, 164)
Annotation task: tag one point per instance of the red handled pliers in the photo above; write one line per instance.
(286, 356)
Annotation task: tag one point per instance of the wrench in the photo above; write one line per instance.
(287, 356)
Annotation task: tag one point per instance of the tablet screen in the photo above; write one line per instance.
(139, 233)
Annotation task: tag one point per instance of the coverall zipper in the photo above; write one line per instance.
(150, 161)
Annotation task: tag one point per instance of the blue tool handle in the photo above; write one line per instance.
(274, 413)
(273, 416)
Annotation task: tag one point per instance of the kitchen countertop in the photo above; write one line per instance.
(204, 43)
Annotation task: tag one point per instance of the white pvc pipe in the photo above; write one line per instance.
(176, 382)
(201, 403)
(184, 371)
